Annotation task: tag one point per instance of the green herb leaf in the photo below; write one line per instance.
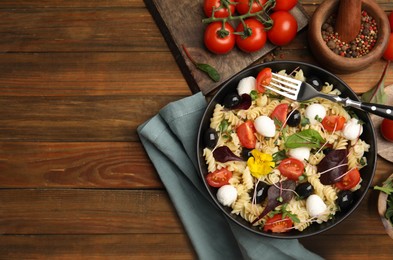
(209, 70)
(306, 138)
(254, 94)
(377, 94)
(279, 156)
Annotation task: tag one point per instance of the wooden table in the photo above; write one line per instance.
(76, 79)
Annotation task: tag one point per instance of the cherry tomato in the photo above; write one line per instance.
(387, 129)
(217, 40)
(388, 54)
(350, 180)
(219, 177)
(278, 224)
(284, 5)
(280, 114)
(284, 28)
(242, 6)
(291, 168)
(254, 38)
(220, 12)
(333, 123)
(391, 21)
(246, 134)
(263, 79)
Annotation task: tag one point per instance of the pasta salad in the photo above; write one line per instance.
(282, 164)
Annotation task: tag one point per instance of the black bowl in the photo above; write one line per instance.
(367, 172)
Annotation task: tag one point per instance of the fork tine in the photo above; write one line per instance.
(291, 90)
(286, 78)
(285, 94)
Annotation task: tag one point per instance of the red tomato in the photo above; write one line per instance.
(242, 6)
(221, 12)
(350, 180)
(263, 79)
(284, 28)
(284, 5)
(280, 113)
(333, 123)
(387, 129)
(291, 168)
(388, 54)
(391, 21)
(246, 134)
(219, 177)
(278, 224)
(254, 38)
(217, 40)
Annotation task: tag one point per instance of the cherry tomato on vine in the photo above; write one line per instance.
(278, 224)
(284, 28)
(220, 10)
(219, 177)
(217, 40)
(388, 54)
(246, 134)
(333, 123)
(254, 38)
(291, 168)
(350, 180)
(280, 114)
(263, 79)
(284, 5)
(387, 129)
(242, 6)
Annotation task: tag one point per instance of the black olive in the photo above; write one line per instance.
(304, 190)
(327, 150)
(294, 118)
(246, 153)
(344, 199)
(315, 82)
(210, 138)
(260, 192)
(231, 100)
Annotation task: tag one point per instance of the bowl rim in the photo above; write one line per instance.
(201, 160)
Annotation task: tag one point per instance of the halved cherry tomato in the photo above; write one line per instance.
(350, 180)
(242, 6)
(254, 37)
(280, 114)
(246, 134)
(291, 168)
(263, 79)
(219, 177)
(333, 123)
(387, 129)
(278, 224)
(284, 5)
(220, 10)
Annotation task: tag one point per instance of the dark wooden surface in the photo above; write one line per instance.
(76, 79)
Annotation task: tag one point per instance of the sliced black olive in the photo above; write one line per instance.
(246, 153)
(294, 118)
(344, 199)
(210, 138)
(231, 100)
(304, 190)
(260, 192)
(315, 82)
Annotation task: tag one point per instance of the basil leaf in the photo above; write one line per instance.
(212, 72)
(306, 138)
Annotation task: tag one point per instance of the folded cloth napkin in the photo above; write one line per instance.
(170, 141)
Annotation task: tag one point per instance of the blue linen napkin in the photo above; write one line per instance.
(169, 138)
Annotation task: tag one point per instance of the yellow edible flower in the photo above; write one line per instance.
(260, 163)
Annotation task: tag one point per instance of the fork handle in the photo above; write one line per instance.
(377, 109)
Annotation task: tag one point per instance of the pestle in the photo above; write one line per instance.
(348, 19)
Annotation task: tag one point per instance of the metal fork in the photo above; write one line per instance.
(298, 90)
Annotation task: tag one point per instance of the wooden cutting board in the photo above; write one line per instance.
(180, 22)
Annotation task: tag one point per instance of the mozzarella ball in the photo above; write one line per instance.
(301, 153)
(265, 126)
(315, 111)
(246, 85)
(352, 129)
(226, 195)
(315, 205)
